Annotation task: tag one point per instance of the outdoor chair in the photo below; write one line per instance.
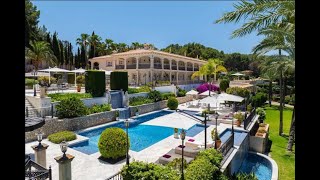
(170, 156)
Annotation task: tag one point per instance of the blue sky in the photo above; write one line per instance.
(160, 23)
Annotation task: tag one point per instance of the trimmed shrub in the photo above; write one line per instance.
(262, 113)
(133, 90)
(181, 92)
(155, 96)
(176, 164)
(29, 82)
(244, 176)
(142, 170)
(243, 92)
(44, 81)
(214, 156)
(71, 78)
(136, 101)
(249, 107)
(62, 136)
(95, 83)
(62, 96)
(224, 85)
(172, 103)
(81, 80)
(144, 89)
(113, 143)
(119, 80)
(98, 108)
(259, 99)
(71, 107)
(166, 96)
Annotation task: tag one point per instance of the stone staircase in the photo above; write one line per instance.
(31, 111)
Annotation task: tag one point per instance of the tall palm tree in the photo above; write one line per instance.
(282, 66)
(109, 45)
(269, 73)
(93, 41)
(83, 41)
(39, 52)
(210, 68)
(260, 14)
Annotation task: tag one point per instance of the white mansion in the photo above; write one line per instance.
(147, 65)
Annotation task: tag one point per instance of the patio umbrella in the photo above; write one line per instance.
(206, 93)
(212, 100)
(30, 74)
(237, 74)
(229, 97)
(55, 69)
(192, 92)
(80, 70)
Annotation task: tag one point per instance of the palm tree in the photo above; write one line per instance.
(270, 74)
(210, 68)
(292, 131)
(261, 14)
(109, 45)
(83, 41)
(283, 66)
(39, 52)
(93, 41)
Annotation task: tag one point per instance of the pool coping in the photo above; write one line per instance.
(275, 169)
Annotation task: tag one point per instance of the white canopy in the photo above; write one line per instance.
(55, 69)
(206, 93)
(237, 74)
(212, 100)
(80, 70)
(30, 74)
(192, 92)
(229, 97)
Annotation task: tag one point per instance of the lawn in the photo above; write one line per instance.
(285, 161)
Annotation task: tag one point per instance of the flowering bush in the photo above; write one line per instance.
(204, 87)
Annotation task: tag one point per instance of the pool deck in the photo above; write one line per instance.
(83, 164)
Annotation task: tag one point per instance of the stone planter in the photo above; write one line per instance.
(42, 92)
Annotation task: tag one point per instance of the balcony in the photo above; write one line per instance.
(131, 66)
(182, 68)
(174, 67)
(189, 69)
(144, 66)
(196, 69)
(157, 66)
(166, 66)
(119, 66)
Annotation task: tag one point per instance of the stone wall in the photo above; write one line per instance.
(239, 156)
(145, 108)
(142, 94)
(72, 124)
(164, 89)
(188, 87)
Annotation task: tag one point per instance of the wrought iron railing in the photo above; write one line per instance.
(119, 66)
(174, 67)
(36, 171)
(157, 65)
(166, 66)
(116, 176)
(131, 66)
(144, 66)
(182, 68)
(196, 69)
(189, 69)
(247, 121)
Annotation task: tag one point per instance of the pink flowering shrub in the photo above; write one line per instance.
(204, 87)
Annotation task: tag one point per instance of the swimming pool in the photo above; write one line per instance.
(141, 136)
(239, 136)
(259, 165)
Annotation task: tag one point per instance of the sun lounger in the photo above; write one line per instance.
(194, 144)
(188, 151)
(170, 156)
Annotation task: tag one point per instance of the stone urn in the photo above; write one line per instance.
(42, 92)
(218, 142)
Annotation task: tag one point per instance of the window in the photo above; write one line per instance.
(120, 62)
(109, 63)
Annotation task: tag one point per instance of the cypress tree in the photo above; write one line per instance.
(61, 53)
(91, 48)
(55, 47)
(83, 57)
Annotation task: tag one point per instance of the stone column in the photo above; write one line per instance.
(151, 62)
(40, 154)
(185, 66)
(170, 63)
(177, 77)
(137, 81)
(64, 166)
(170, 76)
(125, 64)
(186, 78)
(192, 66)
(137, 63)
(162, 63)
(114, 64)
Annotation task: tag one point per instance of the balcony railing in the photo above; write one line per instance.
(196, 69)
(131, 66)
(225, 147)
(119, 66)
(182, 82)
(189, 68)
(248, 120)
(116, 176)
(144, 66)
(182, 68)
(166, 66)
(157, 66)
(174, 67)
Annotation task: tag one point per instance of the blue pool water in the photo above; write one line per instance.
(260, 166)
(238, 136)
(141, 136)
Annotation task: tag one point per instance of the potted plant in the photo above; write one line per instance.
(262, 114)
(117, 115)
(215, 137)
(80, 81)
(176, 135)
(249, 108)
(240, 117)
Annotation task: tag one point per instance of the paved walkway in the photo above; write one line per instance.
(278, 104)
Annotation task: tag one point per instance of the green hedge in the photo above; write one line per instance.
(95, 83)
(166, 96)
(181, 92)
(136, 101)
(243, 92)
(224, 85)
(119, 80)
(133, 90)
(62, 136)
(113, 143)
(29, 82)
(72, 107)
(62, 96)
(259, 99)
(155, 96)
(98, 108)
(71, 78)
(138, 170)
(172, 103)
